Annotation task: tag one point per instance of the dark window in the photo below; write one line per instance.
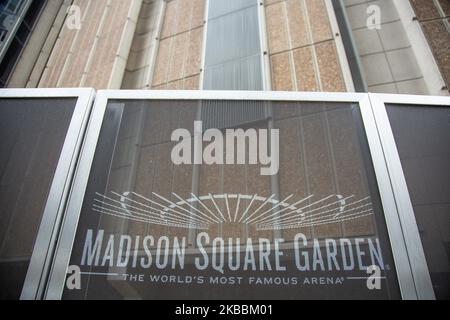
(32, 133)
(13, 40)
(422, 135)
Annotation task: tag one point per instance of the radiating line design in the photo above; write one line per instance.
(201, 212)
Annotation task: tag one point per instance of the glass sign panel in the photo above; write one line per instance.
(422, 135)
(32, 134)
(232, 200)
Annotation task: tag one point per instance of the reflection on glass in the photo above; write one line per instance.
(233, 50)
(152, 229)
(32, 135)
(422, 135)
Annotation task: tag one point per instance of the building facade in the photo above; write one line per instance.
(332, 46)
(351, 184)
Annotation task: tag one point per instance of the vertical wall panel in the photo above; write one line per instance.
(95, 55)
(281, 72)
(297, 23)
(233, 48)
(276, 28)
(434, 18)
(318, 18)
(178, 61)
(297, 28)
(304, 69)
(329, 68)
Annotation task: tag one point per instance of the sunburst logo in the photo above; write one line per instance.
(202, 212)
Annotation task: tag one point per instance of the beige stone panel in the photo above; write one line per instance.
(192, 83)
(116, 17)
(318, 18)
(57, 59)
(162, 62)
(198, 14)
(170, 19)
(277, 28)
(76, 63)
(350, 169)
(99, 74)
(304, 69)
(292, 170)
(281, 72)
(178, 57)
(319, 170)
(90, 25)
(160, 87)
(439, 39)
(175, 85)
(425, 9)
(184, 15)
(101, 66)
(329, 67)
(297, 25)
(99, 77)
(74, 72)
(60, 52)
(268, 2)
(112, 31)
(194, 54)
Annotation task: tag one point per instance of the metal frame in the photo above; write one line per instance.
(12, 33)
(340, 46)
(265, 59)
(405, 209)
(54, 209)
(405, 270)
